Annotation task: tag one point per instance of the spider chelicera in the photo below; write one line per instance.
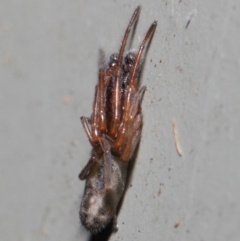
(114, 130)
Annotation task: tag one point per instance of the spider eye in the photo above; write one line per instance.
(130, 58)
(113, 60)
(129, 61)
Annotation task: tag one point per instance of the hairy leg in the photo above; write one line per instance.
(117, 84)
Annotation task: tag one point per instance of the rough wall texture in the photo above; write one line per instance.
(48, 68)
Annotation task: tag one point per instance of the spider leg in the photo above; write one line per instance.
(122, 131)
(125, 38)
(137, 129)
(121, 138)
(117, 85)
(148, 37)
(85, 171)
(112, 68)
(137, 122)
(136, 102)
(95, 117)
(132, 140)
(131, 107)
(127, 154)
(101, 96)
(106, 148)
(85, 122)
(98, 119)
(133, 123)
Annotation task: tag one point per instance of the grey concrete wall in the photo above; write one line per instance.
(48, 70)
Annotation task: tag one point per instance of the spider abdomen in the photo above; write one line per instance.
(99, 205)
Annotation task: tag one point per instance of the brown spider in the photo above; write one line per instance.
(114, 130)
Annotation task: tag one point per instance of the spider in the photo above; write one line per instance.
(113, 130)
